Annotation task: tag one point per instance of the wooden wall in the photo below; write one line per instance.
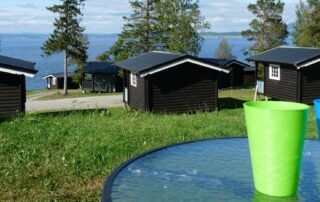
(102, 83)
(224, 80)
(137, 95)
(310, 82)
(71, 84)
(286, 88)
(182, 89)
(249, 77)
(12, 94)
(233, 79)
(237, 75)
(59, 84)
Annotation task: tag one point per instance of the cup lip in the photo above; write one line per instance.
(316, 101)
(302, 107)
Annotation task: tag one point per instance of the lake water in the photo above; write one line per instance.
(28, 47)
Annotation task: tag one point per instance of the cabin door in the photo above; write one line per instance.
(49, 83)
(260, 87)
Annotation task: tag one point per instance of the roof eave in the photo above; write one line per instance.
(270, 62)
(306, 63)
(244, 65)
(19, 71)
(125, 68)
(182, 60)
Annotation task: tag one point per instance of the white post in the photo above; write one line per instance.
(256, 93)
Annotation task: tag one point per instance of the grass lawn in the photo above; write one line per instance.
(73, 94)
(68, 155)
(34, 92)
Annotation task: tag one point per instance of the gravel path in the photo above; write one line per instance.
(34, 105)
(39, 95)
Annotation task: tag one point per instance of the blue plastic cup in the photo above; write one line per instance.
(317, 109)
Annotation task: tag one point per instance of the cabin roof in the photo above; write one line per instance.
(100, 67)
(58, 75)
(221, 62)
(156, 61)
(147, 60)
(296, 56)
(17, 66)
(225, 63)
(90, 68)
(249, 69)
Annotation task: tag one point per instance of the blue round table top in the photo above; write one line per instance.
(210, 170)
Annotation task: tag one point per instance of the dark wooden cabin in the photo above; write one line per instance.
(166, 82)
(249, 76)
(55, 81)
(289, 73)
(101, 77)
(13, 86)
(236, 76)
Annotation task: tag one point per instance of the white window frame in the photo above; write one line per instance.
(274, 72)
(133, 80)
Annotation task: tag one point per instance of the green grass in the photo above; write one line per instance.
(34, 92)
(68, 155)
(74, 94)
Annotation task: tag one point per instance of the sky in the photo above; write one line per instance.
(105, 16)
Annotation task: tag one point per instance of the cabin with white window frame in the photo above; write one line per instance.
(169, 82)
(288, 73)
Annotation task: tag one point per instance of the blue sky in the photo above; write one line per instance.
(105, 16)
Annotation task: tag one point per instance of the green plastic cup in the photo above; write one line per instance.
(276, 132)
(259, 197)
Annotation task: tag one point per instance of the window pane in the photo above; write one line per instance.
(88, 77)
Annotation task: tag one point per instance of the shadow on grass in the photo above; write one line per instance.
(2, 119)
(10, 118)
(230, 103)
(75, 111)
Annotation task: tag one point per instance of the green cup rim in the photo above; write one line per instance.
(276, 106)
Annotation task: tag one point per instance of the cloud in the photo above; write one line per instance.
(105, 16)
(29, 5)
(101, 16)
(233, 15)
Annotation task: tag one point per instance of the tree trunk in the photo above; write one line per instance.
(65, 80)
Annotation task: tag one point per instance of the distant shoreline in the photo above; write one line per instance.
(205, 35)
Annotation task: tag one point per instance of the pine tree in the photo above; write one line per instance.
(224, 50)
(80, 61)
(67, 37)
(137, 34)
(307, 26)
(181, 23)
(165, 25)
(268, 29)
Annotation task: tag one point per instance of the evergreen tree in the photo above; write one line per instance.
(268, 29)
(137, 34)
(165, 25)
(224, 50)
(80, 61)
(181, 23)
(307, 26)
(67, 36)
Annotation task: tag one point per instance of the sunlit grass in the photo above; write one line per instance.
(68, 155)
